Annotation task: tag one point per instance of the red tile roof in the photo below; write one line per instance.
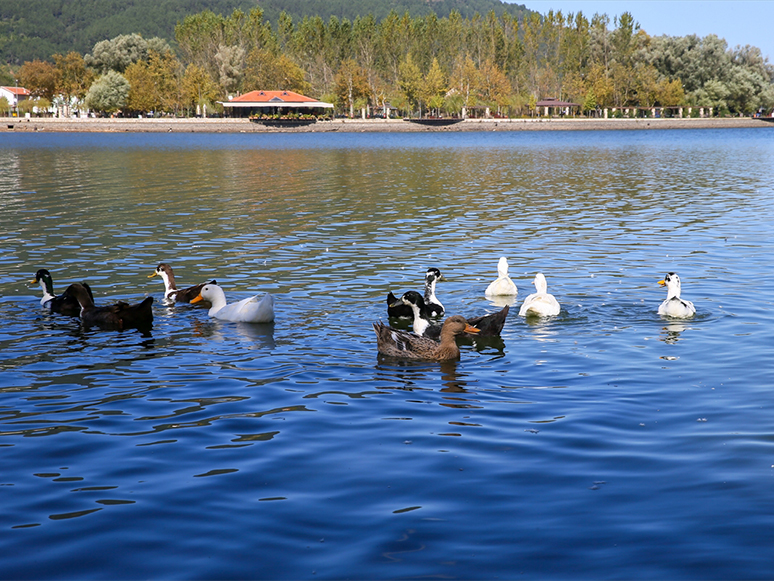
(17, 91)
(272, 96)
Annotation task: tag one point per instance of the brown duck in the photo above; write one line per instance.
(172, 293)
(118, 316)
(405, 345)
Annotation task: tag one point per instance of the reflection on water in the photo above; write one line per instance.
(157, 454)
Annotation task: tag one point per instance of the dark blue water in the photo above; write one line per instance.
(604, 443)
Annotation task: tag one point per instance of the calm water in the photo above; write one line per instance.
(604, 443)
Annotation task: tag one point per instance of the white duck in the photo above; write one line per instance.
(502, 285)
(256, 309)
(540, 303)
(673, 305)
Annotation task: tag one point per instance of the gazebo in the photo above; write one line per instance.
(273, 103)
(551, 104)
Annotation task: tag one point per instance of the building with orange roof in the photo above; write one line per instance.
(14, 95)
(257, 103)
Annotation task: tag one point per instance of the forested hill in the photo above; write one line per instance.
(37, 29)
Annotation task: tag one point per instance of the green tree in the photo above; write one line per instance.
(154, 84)
(108, 94)
(5, 106)
(119, 52)
(435, 87)
(267, 70)
(410, 81)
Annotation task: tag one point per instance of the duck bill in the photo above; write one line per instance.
(471, 329)
(441, 278)
(33, 281)
(153, 274)
(397, 303)
(197, 299)
(662, 283)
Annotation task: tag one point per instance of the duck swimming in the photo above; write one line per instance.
(255, 309)
(118, 316)
(432, 306)
(488, 325)
(172, 293)
(673, 305)
(540, 303)
(502, 285)
(405, 345)
(62, 304)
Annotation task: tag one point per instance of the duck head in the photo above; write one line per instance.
(672, 282)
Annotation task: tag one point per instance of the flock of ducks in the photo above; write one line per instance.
(78, 301)
(432, 341)
(428, 340)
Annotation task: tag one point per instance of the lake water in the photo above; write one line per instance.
(604, 443)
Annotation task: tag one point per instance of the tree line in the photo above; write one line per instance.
(420, 64)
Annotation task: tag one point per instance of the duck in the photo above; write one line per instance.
(118, 316)
(256, 309)
(502, 285)
(540, 303)
(673, 305)
(405, 345)
(62, 304)
(172, 293)
(488, 325)
(433, 307)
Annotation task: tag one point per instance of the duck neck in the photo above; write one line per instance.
(448, 348)
(48, 290)
(218, 301)
(673, 292)
(430, 298)
(169, 283)
(420, 324)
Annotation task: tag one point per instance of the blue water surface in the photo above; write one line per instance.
(604, 443)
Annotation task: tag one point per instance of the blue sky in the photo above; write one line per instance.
(739, 21)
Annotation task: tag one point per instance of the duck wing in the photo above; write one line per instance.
(137, 316)
(490, 325)
(186, 295)
(256, 309)
(397, 343)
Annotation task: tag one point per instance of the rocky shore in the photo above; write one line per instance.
(9, 124)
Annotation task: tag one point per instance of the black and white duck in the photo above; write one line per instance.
(490, 325)
(673, 305)
(172, 293)
(118, 316)
(405, 345)
(433, 307)
(62, 304)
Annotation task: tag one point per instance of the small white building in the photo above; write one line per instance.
(14, 95)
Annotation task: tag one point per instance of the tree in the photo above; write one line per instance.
(265, 69)
(351, 85)
(40, 78)
(73, 78)
(154, 84)
(410, 81)
(5, 106)
(108, 94)
(119, 52)
(435, 86)
(198, 89)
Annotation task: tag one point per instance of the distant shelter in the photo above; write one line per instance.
(553, 106)
(275, 103)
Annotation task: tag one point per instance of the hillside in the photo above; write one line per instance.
(37, 29)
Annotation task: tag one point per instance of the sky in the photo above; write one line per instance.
(739, 22)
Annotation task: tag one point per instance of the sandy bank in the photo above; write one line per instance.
(360, 125)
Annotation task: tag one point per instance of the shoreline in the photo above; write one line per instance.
(228, 125)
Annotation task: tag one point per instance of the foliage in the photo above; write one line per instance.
(118, 53)
(5, 106)
(109, 93)
(443, 55)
